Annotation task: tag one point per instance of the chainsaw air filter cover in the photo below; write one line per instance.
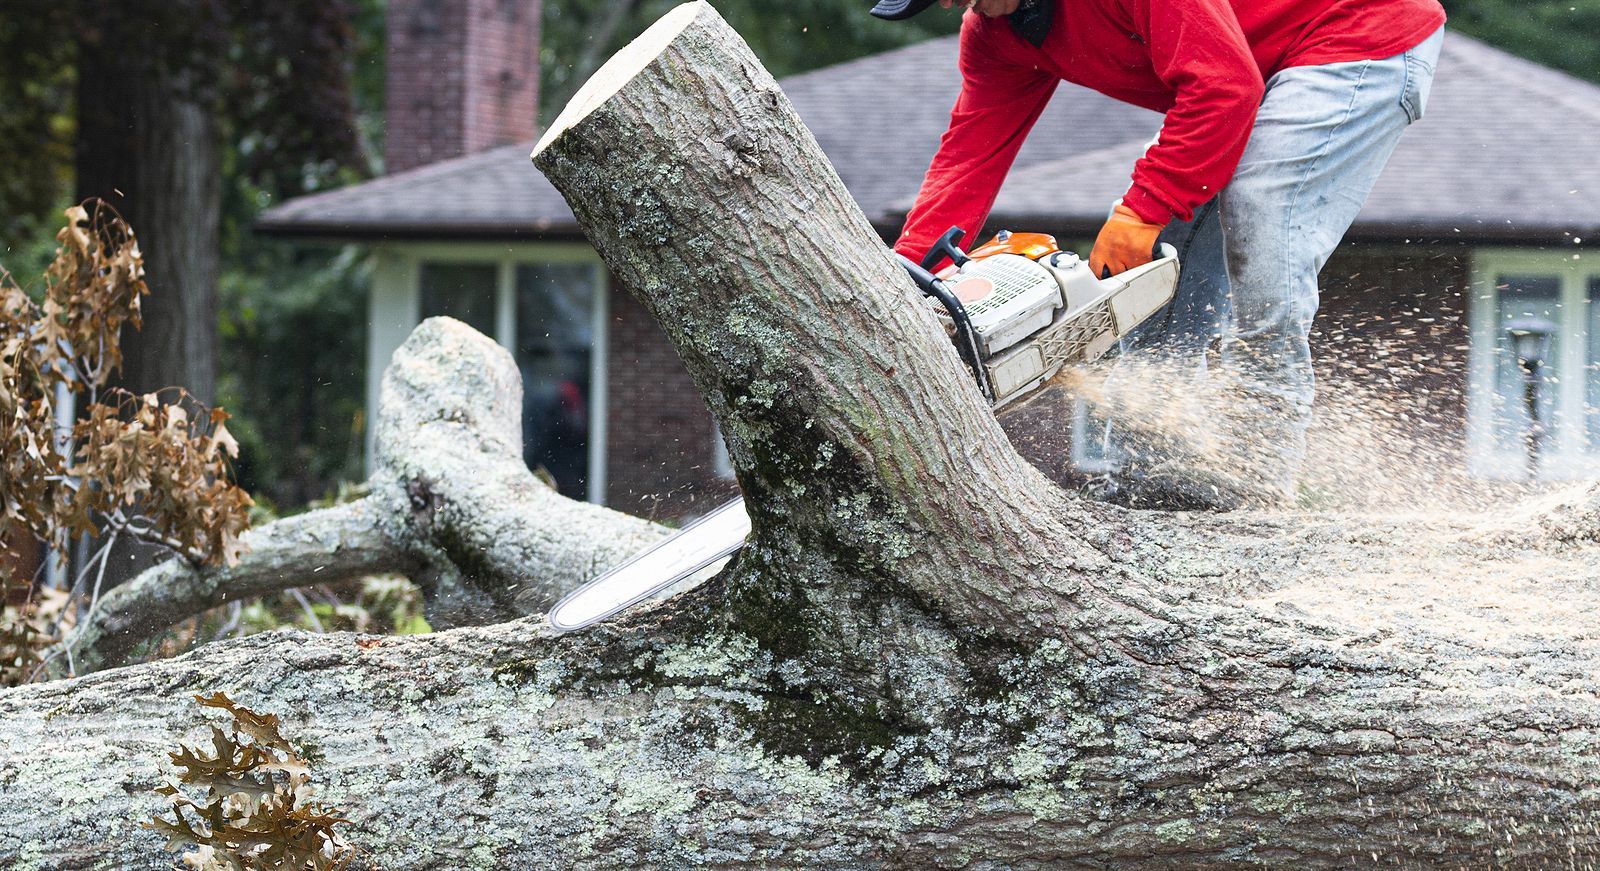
(1008, 298)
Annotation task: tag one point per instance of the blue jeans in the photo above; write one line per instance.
(1251, 255)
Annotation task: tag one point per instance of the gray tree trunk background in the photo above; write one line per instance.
(151, 148)
(926, 655)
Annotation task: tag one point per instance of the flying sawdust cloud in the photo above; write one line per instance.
(1388, 432)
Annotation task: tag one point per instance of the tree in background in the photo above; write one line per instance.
(160, 88)
(36, 131)
(191, 116)
(1564, 34)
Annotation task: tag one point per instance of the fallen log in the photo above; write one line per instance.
(451, 505)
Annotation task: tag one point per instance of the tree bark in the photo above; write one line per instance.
(710, 200)
(148, 144)
(926, 656)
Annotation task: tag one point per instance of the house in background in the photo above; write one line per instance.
(1487, 212)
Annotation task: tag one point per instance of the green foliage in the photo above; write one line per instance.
(254, 809)
(374, 605)
(367, 77)
(286, 91)
(293, 360)
(1564, 34)
(292, 329)
(789, 37)
(36, 130)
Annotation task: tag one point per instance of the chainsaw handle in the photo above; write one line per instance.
(948, 245)
(966, 336)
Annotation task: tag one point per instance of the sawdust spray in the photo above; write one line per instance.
(1377, 442)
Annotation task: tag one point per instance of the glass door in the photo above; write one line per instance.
(555, 307)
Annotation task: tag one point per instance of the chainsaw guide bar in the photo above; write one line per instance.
(692, 548)
(1018, 310)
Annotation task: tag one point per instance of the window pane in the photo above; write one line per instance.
(464, 291)
(1524, 296)
(555, 343)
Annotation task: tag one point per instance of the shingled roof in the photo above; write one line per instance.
(1503, 152)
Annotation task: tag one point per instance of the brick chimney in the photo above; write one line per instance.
(463, 75)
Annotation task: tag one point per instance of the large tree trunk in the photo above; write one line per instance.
(926, 656)
(149, 145)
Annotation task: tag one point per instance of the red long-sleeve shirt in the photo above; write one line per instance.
(1202, 62)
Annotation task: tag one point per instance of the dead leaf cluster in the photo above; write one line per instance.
(153, 467)
(254, 810)
(31, 619)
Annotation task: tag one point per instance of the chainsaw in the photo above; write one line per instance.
(1017, 308)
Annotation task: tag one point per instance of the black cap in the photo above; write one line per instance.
(899, 10)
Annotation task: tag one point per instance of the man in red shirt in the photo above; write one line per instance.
(1280, 114)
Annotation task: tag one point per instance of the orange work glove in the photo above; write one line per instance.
(1124, 242)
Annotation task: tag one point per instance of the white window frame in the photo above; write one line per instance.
(1568, 457)
(395, 309)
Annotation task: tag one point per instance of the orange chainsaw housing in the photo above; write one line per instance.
(1029, 245)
